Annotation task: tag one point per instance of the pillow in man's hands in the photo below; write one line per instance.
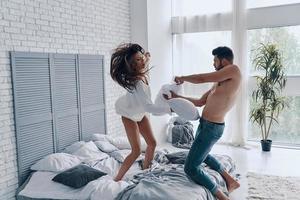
(165, 89)
(184, 108)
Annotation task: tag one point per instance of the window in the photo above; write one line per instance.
(200, 7)
(199, 26)
(193, 54)
(288, 40)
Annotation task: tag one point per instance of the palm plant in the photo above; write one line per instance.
(268, 98)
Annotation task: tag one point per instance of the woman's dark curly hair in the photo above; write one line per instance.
(121, 69)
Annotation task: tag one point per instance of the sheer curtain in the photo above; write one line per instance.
(195, 33)
(236, 130)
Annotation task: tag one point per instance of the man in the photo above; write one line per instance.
(217, 102)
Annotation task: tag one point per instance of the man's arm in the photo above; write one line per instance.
(218, 76)
(197, 102)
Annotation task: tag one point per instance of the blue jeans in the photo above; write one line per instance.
(208, 133)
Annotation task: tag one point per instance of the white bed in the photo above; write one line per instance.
(40, 185)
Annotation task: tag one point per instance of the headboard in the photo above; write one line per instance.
(58, 99)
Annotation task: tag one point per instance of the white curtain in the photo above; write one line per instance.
(213, 24)
(236, 130)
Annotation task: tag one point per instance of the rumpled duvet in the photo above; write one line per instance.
(169, 182)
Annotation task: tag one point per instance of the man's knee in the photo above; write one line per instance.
(192, 170)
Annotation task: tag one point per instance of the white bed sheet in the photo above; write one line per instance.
(42, 186)
(111, 167)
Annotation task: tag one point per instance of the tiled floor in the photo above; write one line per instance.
(280, 162)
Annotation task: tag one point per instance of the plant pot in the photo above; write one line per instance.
(266, 145)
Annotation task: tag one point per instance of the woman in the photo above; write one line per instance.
(129, 68)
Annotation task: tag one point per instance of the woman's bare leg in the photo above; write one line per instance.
(146, 132)
(133, 136)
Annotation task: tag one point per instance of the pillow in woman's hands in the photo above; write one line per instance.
(184, 108)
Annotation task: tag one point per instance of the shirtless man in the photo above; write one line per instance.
(217, 102)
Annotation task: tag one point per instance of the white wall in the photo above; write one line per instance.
(60, 26)
(151, 27)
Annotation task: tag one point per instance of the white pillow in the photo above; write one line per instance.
(73, 147)
(99, 137)
(122, 142)
(56, 162)
(184, 108)
(106, 146)
(165, 89)
(89, 151)
(120, 155)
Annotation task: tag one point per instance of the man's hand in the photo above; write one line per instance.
(179, 80)
(173, 95)
(166, 97)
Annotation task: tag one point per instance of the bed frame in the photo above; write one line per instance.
(58, 99)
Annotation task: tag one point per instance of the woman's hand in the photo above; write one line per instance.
(179, 80)
(147, 54)
(147, 57)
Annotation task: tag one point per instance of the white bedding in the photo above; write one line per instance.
(42, 186)
(111, 167)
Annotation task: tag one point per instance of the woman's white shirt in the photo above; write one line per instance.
(134, 105)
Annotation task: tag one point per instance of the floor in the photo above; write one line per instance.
(280, 162)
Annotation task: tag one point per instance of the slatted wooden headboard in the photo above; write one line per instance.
(58, 99)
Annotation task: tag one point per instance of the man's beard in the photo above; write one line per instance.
(219, 67)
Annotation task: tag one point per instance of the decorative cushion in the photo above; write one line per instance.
(56, 162)
(184, 108)
(99, 137)
(73, 147)
(89, 151)
(78, 176)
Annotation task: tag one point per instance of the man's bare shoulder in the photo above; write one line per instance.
(234, 69)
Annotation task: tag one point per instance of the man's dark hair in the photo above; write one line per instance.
(223, 52)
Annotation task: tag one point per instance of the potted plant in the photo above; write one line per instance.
(267, 97)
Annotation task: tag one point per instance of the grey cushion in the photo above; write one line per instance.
(78, 176)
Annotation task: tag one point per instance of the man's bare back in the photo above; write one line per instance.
(222, 97)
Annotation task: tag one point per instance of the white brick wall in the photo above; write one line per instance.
(60, 26)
